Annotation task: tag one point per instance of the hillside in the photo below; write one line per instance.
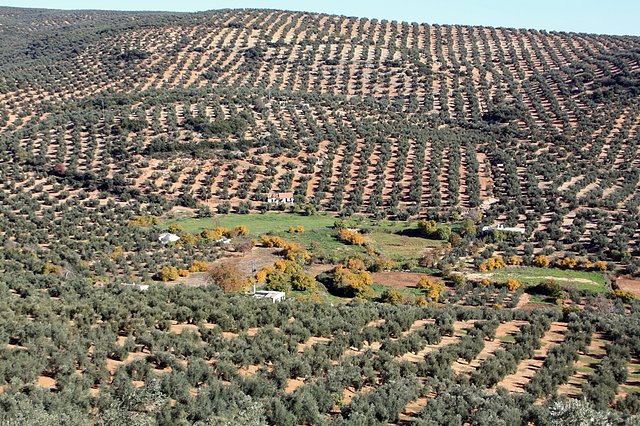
(537, 129)
(397, 143)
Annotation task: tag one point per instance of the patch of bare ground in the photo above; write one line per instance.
(524, 300)
(349, 393)
(318, 268)
(376, 323)
(413, 408)
(527, 368)
(46, 382)
(249, 371)
(312, 341)
(181, 328)
(629, 284)
(256, 259)
(113, 365)
(490, 347)
(398, 279)
(229, 335)
(293, 384)
(584, 365)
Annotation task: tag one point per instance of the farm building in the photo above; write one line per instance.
(275, 296)
(168, 237)
(502, 228)
(281, 198)
(139, 287)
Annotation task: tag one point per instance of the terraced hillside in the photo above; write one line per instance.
(537, 129)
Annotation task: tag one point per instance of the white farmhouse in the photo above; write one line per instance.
(167, 238)
(274, 296)
(502, 228)
(281, 198)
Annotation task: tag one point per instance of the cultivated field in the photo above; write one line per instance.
(350, 163)
(232, 108)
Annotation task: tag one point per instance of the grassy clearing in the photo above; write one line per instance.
(258, 224)
(396, 240)
(400, 247)
(507, 339)
(581, 280)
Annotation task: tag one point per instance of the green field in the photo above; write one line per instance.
(396, 240)
(581, 280)
(258, 224)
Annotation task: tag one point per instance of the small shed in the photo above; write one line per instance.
(274, 296)
(168, 237)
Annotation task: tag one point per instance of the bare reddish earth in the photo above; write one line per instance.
(629, 284)
(398, 279)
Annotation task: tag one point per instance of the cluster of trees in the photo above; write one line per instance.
(134, 331)
(349, 280)
(286, 275)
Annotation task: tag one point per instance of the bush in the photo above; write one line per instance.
(144, 221)
(383, 264)
(391, 296)
(513, 284)
(541, 261)
(168, 273)
(444, 233)
(295, 252)
(241, 230)
(272, 241)
(227, 277)
(515, 260)
(492, 264)
(351, 237)
(428, 227)
(432, 287)
(625, 296)
(175, 228)
(212, 234)
(286, 275)
(224, 207)
(547, 288)
(51, 269)
(600, 265)
(188, 240)
(343, 281)
(198, 266)
(457, 278)
(567, 263)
